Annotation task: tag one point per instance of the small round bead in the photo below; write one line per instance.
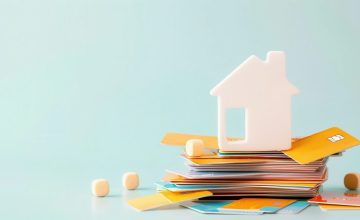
(100, 187)
(194, 147)
(352, 181)
(130, 180)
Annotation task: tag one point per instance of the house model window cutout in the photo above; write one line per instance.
(261, 88)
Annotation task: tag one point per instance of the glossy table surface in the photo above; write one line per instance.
(89, 88)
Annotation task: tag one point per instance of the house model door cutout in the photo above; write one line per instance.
(261, 88)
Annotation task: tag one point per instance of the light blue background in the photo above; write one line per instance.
(88, 89)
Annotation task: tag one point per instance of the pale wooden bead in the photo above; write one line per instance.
(130, 180)
(194, 147)
(352, 181)
(100, 187)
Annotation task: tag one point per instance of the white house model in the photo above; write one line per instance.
(261, 88)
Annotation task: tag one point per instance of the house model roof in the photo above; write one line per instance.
(256, 75)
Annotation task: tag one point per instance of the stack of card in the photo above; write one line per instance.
(216, 175)
(298, 172)
(256, 175)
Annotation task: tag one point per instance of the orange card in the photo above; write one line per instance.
(320, 145)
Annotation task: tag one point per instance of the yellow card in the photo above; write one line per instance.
(338, 207)
(320, 145)
(178, 139)
(258, 204)
(164, 198)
